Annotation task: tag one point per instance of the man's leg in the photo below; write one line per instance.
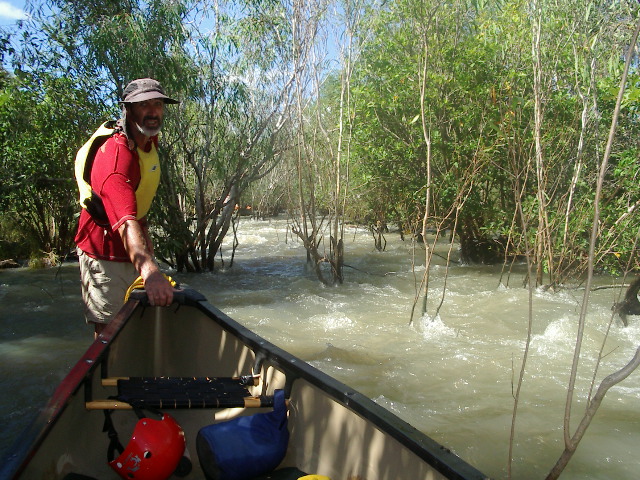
(104, 285)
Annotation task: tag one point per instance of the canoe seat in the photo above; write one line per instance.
(181, 392)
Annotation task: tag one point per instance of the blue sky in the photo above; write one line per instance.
(10, 11)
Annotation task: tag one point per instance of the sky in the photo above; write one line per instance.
(10, 11)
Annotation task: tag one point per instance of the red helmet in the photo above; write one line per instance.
(153, 452)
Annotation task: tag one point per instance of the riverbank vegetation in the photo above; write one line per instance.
(479, 119)
(490, 122)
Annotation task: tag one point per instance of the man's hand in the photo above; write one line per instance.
(159, 290)
(138, 245)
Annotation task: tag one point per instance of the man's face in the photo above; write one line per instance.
(147, 116)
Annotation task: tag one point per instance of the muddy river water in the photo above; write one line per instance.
(452, 375)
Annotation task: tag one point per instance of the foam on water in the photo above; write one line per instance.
(332, 321)
(434, 329)
(557, 340)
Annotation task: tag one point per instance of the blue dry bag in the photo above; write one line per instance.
(244, 447)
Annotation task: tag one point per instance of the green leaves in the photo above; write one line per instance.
(39, 119)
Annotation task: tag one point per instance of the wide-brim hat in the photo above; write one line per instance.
(145, 89)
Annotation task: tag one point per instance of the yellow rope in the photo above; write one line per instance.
(138, 283)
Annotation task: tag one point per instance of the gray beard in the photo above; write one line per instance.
(147, 132)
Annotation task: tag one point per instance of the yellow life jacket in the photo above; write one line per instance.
(84, 162)
(145, 191)
(149, 180)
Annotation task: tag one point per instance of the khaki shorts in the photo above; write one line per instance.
(104, 285)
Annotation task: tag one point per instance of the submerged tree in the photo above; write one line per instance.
(321, 152)
(572, 440)
(230, 135)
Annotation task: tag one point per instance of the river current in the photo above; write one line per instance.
(451, 375)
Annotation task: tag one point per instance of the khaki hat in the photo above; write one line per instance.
(145, 89)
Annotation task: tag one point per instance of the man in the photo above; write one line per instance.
(117, 185)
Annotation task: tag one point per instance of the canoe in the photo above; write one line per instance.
(332, 430)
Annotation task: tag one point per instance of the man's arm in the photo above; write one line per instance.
(147, 238)
(138, 245)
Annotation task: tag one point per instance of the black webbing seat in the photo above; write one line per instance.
(182, 392)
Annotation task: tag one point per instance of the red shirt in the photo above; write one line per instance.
(115, 175)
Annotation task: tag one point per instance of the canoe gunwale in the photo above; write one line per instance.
(433, 453)
(27, 445)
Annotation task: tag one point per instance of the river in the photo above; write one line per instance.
(451, 376)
